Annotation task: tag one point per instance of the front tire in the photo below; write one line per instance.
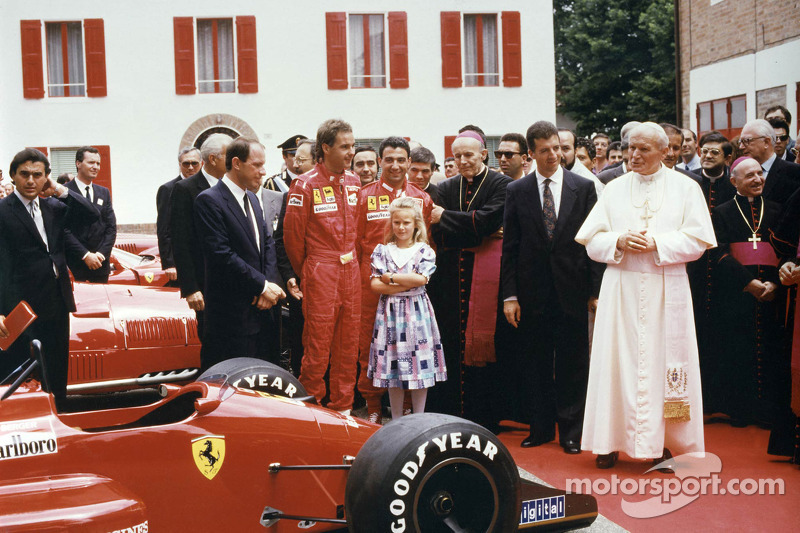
(433, 472)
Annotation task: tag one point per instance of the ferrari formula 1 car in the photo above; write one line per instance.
(136, 269)
(215, 456)
(124, 337)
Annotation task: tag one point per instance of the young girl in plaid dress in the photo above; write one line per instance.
(406, 350)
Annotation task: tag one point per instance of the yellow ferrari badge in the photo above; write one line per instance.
(209, 454)
(148, 276)
(317, 197)
(372, 203)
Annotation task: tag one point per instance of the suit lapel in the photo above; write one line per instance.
(260, 223)
(532, 195)
(567, 201)
(47, 216)
(238, 211)
(25, 218)
(772, 177)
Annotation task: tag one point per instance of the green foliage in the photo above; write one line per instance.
(615, 62)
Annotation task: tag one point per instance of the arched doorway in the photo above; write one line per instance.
(229, 125)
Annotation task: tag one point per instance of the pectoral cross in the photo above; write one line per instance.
(647, 215)
(755, 239)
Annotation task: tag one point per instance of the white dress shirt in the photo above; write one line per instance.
(556, 180)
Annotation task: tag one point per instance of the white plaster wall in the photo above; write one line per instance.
(143, 120)
(748, 74)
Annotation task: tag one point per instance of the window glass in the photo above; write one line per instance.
(65, 70)
(62, 160)
(738, 112)
(705, 117)
(480, 51)
(720, 114)
(367, 55)
(215, 59)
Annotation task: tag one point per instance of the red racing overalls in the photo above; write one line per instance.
(320, 235)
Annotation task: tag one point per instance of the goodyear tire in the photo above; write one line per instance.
(432, 472)
(259, 375)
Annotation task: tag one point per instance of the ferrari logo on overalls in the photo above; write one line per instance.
(317, 197)
(372, 203)
(209, 454)
(148, 276)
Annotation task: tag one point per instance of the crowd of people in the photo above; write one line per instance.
(609, 293)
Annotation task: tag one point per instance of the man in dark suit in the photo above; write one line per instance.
(547, 283)
(33, 265)
(190, 162)
(185, 246)
(89, 245)
(240, 288)
(757, 140)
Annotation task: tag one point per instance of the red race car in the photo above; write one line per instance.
(124, 336)
(213, 456)
(137, 243)
(129, 268)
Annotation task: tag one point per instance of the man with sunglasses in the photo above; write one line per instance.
(511, 155)
(189, 163)
(779, 111)
(781, 138)
(757, 140)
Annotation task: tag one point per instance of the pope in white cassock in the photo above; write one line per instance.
(644, 379)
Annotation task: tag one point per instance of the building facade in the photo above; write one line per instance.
(140, 80)
(737, 59)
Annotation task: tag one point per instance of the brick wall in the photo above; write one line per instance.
(730, 28)
(768, 98)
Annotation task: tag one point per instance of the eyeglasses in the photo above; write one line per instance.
(712, 151)
(782, 138)
(190, 163)
(301, 159)
(745, 141)
(499, 154)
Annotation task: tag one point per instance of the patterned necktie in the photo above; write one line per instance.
(549, 209)
(250, 219)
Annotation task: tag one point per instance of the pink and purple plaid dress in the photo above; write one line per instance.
(406, 350)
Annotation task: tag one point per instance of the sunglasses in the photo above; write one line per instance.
(189, 163)
(508, 155)
(712, 151)
(782, 138)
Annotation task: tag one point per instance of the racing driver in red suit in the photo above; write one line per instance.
(320, 238)
(373, 214)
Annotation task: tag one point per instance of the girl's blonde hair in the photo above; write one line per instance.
(411, 204)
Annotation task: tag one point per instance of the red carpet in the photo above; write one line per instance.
(743, 455)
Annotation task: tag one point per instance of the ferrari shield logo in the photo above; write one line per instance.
(148, 276)
(209, 454)
(317, 197)
(371, 203)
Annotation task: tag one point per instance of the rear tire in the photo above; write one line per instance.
(433, 472)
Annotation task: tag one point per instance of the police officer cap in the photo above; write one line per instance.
(291, 142)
